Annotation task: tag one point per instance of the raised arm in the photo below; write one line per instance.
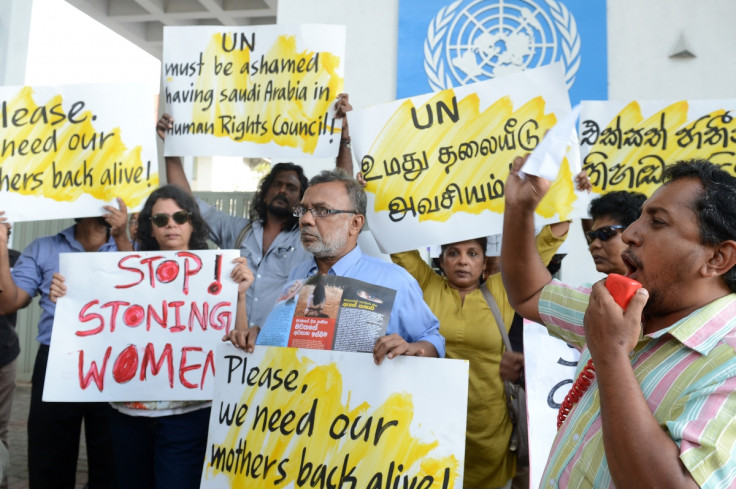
(344, 155)
(174, 170)
(12, 297)
(524, 274)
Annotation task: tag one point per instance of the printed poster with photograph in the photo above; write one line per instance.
(327, 312)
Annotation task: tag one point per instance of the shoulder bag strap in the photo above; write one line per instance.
(241, 236)
(496, 314)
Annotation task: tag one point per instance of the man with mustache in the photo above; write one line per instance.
(269, 238)
(610, 214)
(331, 216)
(659, 406)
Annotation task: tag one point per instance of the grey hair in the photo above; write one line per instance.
(352, 186)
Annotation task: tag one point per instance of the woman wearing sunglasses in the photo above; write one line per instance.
(162, 443)
(611, 214)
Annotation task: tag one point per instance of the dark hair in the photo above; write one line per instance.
(714, 206)
(482, 242)
(200, 230)
(258, 204)
(622, 206)
(354, 189)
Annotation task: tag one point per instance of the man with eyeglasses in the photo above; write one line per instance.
(54, 427)
(655, 393)
(611, 213)
(331, 216)
(269, 237)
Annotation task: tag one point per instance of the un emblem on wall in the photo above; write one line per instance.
(470, 41)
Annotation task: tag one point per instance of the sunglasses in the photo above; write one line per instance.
(604, 234)
(161, 220)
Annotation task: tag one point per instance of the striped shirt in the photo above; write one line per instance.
(687, 373)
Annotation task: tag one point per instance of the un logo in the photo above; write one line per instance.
(470, 41)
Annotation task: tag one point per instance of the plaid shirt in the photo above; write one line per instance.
(687, 373)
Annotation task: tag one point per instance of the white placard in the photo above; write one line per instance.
(285, 417)
(549, 369)
(436, 164)
(256, 91)
(68, 150)
(140, 326)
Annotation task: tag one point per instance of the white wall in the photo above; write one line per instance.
(15, 16)
(641, 34)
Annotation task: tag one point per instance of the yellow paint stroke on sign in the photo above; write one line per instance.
(631, 151)
(54, 151)
(459, 159)
(311, 437)
(282, 96)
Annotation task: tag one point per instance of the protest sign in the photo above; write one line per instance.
(328, 312)
(626, 145)
(144, 330)
(258, 91)
(69, 150)
(285, 417)
(550, 366)
(436, 165)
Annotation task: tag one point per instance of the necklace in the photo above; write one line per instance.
(576, 392)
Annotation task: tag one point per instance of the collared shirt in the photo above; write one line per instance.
(36, 267)
(410, 317)
(687, 373)
(270, 271)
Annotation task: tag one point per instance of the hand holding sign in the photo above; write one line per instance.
(117, 219)
(525, 190)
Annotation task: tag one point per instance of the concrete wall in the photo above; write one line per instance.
(15, 17)
(641, 34)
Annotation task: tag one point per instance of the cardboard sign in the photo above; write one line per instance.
(436, 165)
(550, 366)
(284, 417)
(626, 145)
(67, 151)
(144, 329)
(258, 91)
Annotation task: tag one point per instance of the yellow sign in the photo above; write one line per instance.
(324, 419)
(437, 164)
(256, 91)
(626, 146)
(60, 144)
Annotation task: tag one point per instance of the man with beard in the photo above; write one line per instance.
(331, 216)
(657, 403)
(269, 238)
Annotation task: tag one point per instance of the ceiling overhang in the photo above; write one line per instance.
(142, 21)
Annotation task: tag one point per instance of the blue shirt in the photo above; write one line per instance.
(36, 267)
(411, 318)
(270, 270)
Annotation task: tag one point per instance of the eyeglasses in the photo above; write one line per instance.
(161, 220)
(300, 210)
(604, 234)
